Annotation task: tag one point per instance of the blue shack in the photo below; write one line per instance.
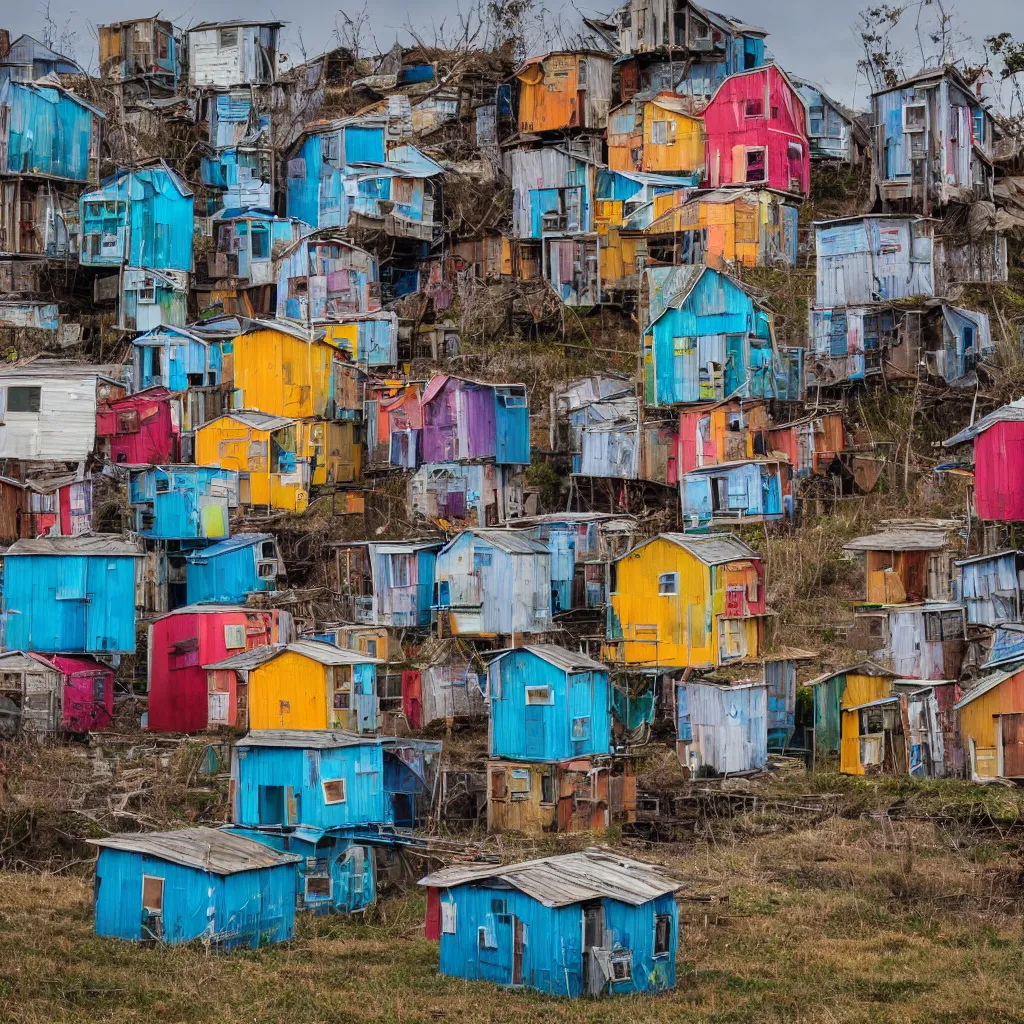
(194, 883)
(48, 131)
(28, 60)
(752, 491)
(180, 358)
(226, 572)
(704, 338)
(331, 779)
(141, 218)
(583, 924)
(71, 594)
(991, 587)
(182, 502)
(548, 704)
(335, 873)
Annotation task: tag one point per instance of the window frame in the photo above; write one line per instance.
(334, 801)
(666, 578)
(545, 690)
(33, 392)
(659, 921)
(156, 911)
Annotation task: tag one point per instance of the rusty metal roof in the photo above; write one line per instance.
(207, 849)
(572, 878)
(86, 544)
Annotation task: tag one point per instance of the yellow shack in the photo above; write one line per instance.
(282, 457)
(656, 136)
(281, 369)
(991, 723)
(307, 684)
(687, 600)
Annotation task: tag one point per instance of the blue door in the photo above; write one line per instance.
(536, 745)
(495, 946)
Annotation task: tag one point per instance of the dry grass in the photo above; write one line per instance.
(850, 920)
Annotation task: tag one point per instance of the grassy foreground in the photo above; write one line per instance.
(848, 920)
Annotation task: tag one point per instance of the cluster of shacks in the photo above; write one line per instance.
(255, 312)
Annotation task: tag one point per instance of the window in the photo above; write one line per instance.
(343, 701)
(915, 117)
(227, 38)
(547, 788)
(485, 939)
(663, 133)
(152, 894)
(266, 570)
(756, 165)
(99, 688)
(581, 729)
(668, 584)
(581, 78)
(754, 108)
(162, 484)
(662, 934)
(795, 152)
(817, 116)
(400, 570)
(498, 788)
(622, 965)
(481, 560)
(499, 906)
(449, 917)
(520, 788)
(23, 399)
(259, 246)
(540, 695)
(334, 791)
(147, 291)
(318, 887)
(234, 637)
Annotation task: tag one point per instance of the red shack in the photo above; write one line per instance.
(756, 133)
(998, 457)
(139, 428)
(88, 693)
(183, 641)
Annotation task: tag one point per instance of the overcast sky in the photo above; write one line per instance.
(812, 38)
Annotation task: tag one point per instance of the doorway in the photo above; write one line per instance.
(593, 938)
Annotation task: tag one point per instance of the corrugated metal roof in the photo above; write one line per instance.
(239, 540)
(908, 539)
(572, 878)
(988, 558)
(1012, 413)
(258, 420)
(875, 703)
(58, 369)
(710, 548)
(511, 541)
(316, 650)
(330, 739)
(560, 657)
(862, 668)
(207, 849)
(986, 684)
(86, 544)
(206, 609)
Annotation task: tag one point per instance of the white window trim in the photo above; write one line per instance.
(162, 881)
(344, 791)
(549, 696)
(449, 917)
(675, 581)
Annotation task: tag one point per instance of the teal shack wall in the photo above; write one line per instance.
(828, 699)
(226, 572)
(249, 908)
(544, 732)
(553, 939)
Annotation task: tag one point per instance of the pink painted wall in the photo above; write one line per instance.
(154, 442)
(782, 120)
(82, 711)
(998, 480)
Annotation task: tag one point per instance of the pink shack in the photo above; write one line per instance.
(88, 703)
(756, 133)
(139, 428)
(183, 641)
(998, 456)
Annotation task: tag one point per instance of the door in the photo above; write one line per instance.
(593, 938)
(535, 716)
(271, 807)
(735, 366)
(412, 698)
(517, 951)
(1013, 746)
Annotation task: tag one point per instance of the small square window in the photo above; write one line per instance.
(24, 399)
(499, 906)
(234, 637)
(540, 695)
(318, 887)
(342, 701)
(668, 584)
(754, 108)
(228, 38)
(581, 729)
(915, 117)
(334, 791)
(520, 787)
(622, 965)
(485, 939)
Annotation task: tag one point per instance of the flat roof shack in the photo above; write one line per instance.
(182, 502)
(226, 53)
(908, 562)
(227, 572)
(71, 594)
(180, 644)
(332, 779)
(50, 409)
(583, 924)
(721, 729)
(998, 455)
(194, 883)
(306, 684)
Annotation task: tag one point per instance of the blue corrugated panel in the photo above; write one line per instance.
(248, 908)
(335, 874)
(184, 502)
(70, 603)
(166, 357)
(49, 131)
(226, 572)
(361, 145)
(485, 920)
(540, 712)
(751, 490)
(512, 426)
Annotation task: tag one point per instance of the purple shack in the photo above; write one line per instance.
(470, 421)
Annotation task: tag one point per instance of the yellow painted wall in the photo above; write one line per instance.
(860, 689)
(734, 229)
(334, 450)
(645, 616)
(281, 375)
(685, 154)
(547, 94)
(289, 692)
(849, 744)
(978, 724)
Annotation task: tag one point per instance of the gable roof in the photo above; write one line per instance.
(571, 878)
(105, 544)
(315, 650)
(239, 540)
(986, 685)
(905, 539)
(763, 69)
(709, 548)
(562, 658)
(206, 849)
(254, 419)
(867, 667)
